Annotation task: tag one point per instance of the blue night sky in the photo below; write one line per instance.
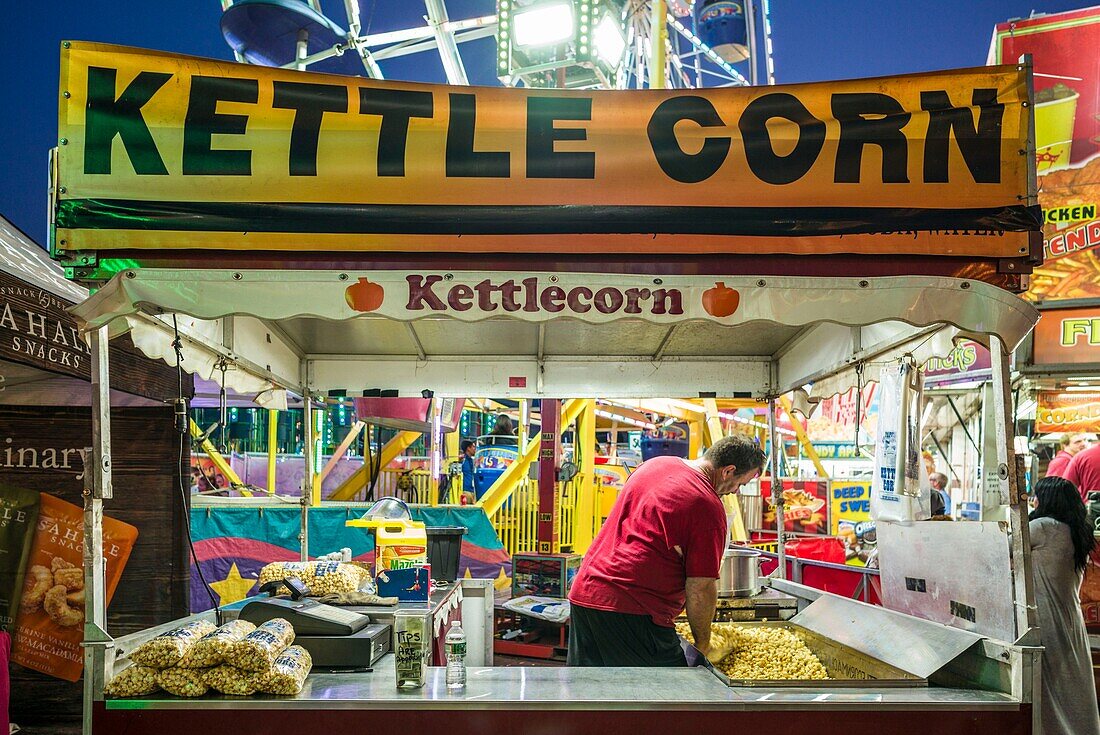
(813, 41)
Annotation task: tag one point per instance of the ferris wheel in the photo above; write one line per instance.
(572, 44)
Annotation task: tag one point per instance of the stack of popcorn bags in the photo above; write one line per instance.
(237, 658)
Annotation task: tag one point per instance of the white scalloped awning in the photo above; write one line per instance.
(332, 319)
(588, 301)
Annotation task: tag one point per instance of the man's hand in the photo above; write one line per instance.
(702, 599)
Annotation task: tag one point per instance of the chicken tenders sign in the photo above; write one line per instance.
(162, 151)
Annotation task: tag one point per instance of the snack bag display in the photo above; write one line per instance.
(18, 519)
(228, 679)
(259, 649)
(210, 650)
(288, 674)
(169, 648)
(182, 682)
(134, 681)
(50, 624)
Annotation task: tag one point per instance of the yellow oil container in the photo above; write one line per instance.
(398, 543)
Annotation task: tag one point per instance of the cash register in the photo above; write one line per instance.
(335, 638)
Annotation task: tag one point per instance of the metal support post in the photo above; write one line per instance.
(750, 21)
(302, 50)
(658, 33)
(585, 519)
(448, 48)
(1023, 586)
(307, 474)
(272, 447)
(548, 526)
(777, 488)
(97, 487)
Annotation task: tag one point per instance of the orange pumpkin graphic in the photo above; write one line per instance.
(364, 295)
(721, 300)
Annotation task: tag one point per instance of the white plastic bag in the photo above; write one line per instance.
(547, 608)
(899, 488)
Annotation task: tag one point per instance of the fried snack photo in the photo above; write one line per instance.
(57, 606)
(39, 582)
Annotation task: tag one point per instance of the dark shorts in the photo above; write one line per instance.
(604, 638)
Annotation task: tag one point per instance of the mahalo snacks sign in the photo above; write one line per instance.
(50, 626)
(163, 151)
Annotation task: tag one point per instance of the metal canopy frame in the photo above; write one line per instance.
(757, 375)
(689, 62)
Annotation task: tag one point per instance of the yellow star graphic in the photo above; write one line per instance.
(234, 587)
(503, 581)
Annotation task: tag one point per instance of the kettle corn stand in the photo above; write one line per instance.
(351, 287)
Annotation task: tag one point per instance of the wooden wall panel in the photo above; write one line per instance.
(146, 461)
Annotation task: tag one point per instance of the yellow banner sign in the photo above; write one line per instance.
(1062, 412)
(164, 151)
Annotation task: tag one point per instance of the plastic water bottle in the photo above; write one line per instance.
(456, 656)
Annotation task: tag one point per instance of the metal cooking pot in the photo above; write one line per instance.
(740, 573)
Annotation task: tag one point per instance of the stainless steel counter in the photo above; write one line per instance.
(541, 688)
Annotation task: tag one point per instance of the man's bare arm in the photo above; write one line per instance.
(702, 599)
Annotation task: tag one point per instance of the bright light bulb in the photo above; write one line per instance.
(544, 24)
(610, 43)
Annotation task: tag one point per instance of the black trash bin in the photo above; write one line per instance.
(444, 550)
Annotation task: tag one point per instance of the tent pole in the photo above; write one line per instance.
(272, 447)
(307, 474)
(1009, 480)
(97, 487)
(777, 488)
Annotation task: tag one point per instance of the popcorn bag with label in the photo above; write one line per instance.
(50, 627)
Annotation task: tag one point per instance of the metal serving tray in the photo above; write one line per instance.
(845, 666)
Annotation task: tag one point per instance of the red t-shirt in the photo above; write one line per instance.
(1058, 465)
(632, 566)
(1084, 470)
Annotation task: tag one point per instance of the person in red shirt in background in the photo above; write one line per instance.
(1072, 444)
(658, 553)
(1084, 471)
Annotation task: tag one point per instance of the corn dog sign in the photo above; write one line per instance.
(159, 151)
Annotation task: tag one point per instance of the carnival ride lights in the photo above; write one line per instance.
(577, 44)
(609, 40)
(542, 25)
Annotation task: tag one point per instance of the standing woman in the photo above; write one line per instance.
(1061, 540)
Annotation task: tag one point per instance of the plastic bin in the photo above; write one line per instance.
(663, 448)
(444, 550)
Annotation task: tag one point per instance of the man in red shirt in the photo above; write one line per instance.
(1072, 444)
(1084, 470)
(658, 553)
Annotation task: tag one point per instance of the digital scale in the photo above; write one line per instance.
(335, 638)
